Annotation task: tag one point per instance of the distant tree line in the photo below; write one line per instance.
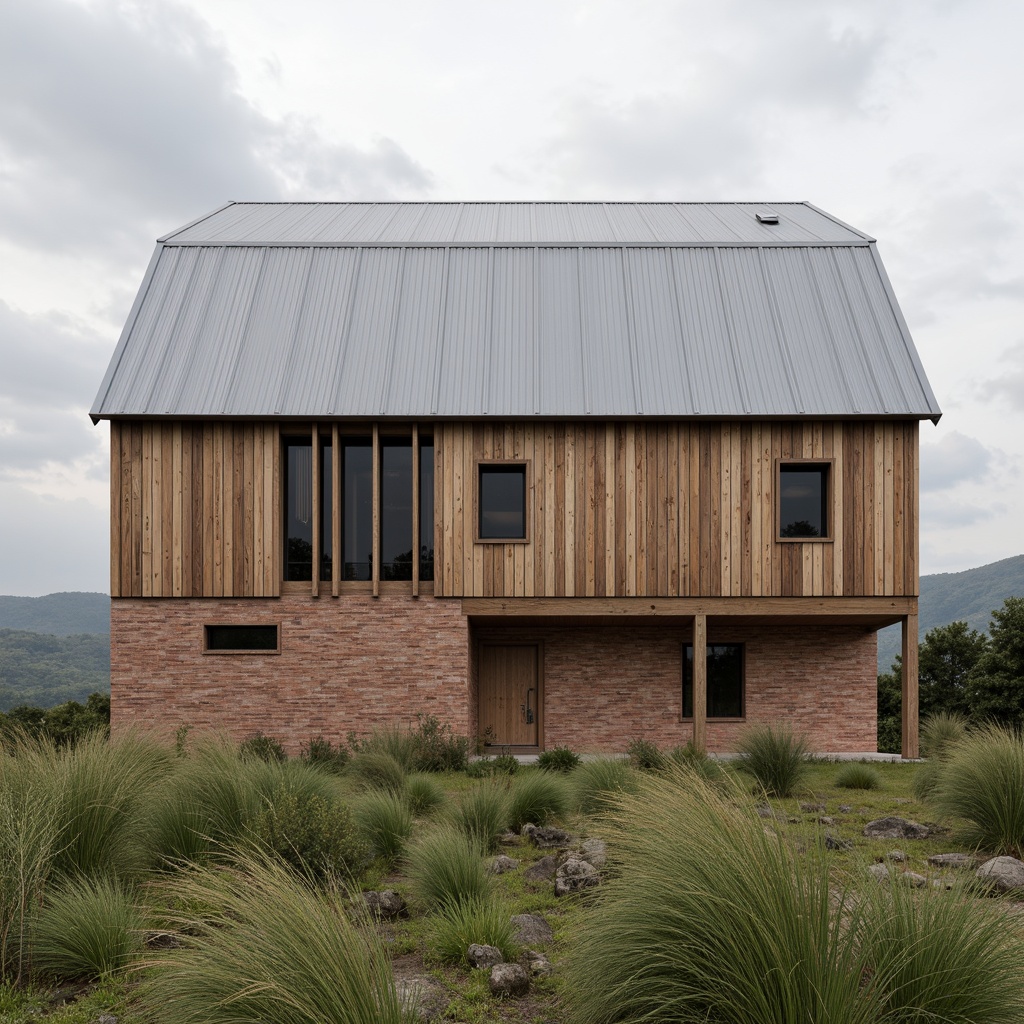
(65, 723)
(962, 671)
(41, 669)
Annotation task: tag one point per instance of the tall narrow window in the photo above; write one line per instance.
(357, 513)
(724, 681)
(298, 548)
(501, 501)
(396, 509)
(426, 508)
(803, 499)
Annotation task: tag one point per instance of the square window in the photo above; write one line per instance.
(724, 681)
(241, 639)
(501, 501)
(804, 500)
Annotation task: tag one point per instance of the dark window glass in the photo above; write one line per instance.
(502, 502)
(241, 638)
(326, 507)
(396, 509)
(803, 500)
(298, 547)
(426, 509)
(357, 513)
(725, 681)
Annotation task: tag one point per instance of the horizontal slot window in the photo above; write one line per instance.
(242, 639)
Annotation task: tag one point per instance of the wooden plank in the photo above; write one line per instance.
(610, 531)
(878, 533)
(459, 495)
(889, 510)
(839, 511)
(177, 511)
(597, 537)
(558, 536)
(515, 435)
(909, 674)
(146, 494)
(861, 488)
(651, 551)
(717, 553)
(912, 458)
(619, 514)
(534, 490)
(375, 477)
(469, 509)
(248, 502)
(630, 503)
(584, 521)
(696, 509)
(899, 508)
(672, 509)
(259, 512)
(755, 510)
(116, 508)
(700, 684)
(569, 530)
(737, 511)
(658, 469)
(828, 550)
(198, 433)
(238, 509)
(444, 511)
(275, 501)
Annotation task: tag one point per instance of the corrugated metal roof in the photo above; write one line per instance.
(514, 309)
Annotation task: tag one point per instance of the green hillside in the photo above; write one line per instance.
(64, 614)
(43, 670)
(949, 596)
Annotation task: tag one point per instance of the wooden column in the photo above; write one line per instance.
(700, 682)
(909, 672)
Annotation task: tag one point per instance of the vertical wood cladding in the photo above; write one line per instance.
(679, 509)
(194, 509)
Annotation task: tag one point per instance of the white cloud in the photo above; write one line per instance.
(954, 459)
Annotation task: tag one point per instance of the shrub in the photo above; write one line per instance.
(423, 793)
(558, 759)
(596, 784)
(940, 732)
(259, 747)
(377, 769)
(88, 929)
(666, 939)
(483, 814)
(645, 756)
(981, 781)
(321, 753)
(488, 767)
(268, 948)
(537, 797)
(775, 757)
(457, 926)
(437, 748)
(386, 823)
(313, 835)
(445, 866)
(697, 762)
(857, 775)
(395, 743)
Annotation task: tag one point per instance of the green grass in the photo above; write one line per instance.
(538, 797)
(775, 757)
(445, 867)
(857, 775)
(482, 813)
(378, 769)
(940, 731)
(386, 823)
(595, 785)
(423, 793)
(456, 926)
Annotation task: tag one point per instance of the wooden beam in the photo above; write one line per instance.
(700, 683)
(911, 747)
(375, 547)
(336, 560)
(415, 510)
(315, 574)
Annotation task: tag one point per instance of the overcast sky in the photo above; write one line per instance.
(122, 120)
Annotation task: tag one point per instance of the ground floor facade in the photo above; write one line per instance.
(528, 676)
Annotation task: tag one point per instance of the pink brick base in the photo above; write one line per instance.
(355, 663)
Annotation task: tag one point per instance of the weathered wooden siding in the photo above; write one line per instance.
(194, 509)
(678, 509)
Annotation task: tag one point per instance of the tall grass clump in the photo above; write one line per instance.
(445, 866)
(423, 793)
(537, 797)
(697, 762)
(482, 813)
(558, 759)
(385, 822)
(396, 743)
(595, 785)
(668, 936)
(857, 775)
(321, 753)
(86, 930)
(457, 926)
(378, 769)
(268, 948)
(940, 732)
(981, 781)
(775, 757)
(645, 756)
(260, 747)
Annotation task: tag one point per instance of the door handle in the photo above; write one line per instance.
(529, 707)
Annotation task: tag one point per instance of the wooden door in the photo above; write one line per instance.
(510, 699)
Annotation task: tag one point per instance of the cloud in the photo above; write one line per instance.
(954, 459)
(123, 120)
(1009, 385)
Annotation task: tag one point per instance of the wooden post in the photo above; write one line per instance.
(909, 672)
(700, 682)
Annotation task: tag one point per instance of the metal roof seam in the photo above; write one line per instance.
(780, 335)
(584, 333)
(392, 341)
(630, 316)
(730, 330)
(441, 332)
(677, 308)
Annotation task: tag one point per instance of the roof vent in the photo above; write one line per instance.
(767, 217)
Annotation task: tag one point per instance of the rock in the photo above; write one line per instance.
(421, 996)
(509, 980)
(812, 808)
(575, 875)
(540, 966)
(483, 956)
(386, 905)
(502, 864)
(896, 856)
(824, 819)
(595, 852)
(509, 839)
(1003, 874)
(879, 872)
(895, 828)
(544, 869)
(953, 860)
(767, 811)
(547, 837)
(106, 1018)
(913, 879)
(833, 842)
(845, 808)
(532, 929)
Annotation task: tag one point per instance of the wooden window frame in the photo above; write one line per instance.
(480, 464)
(830, 505)
(217, 652)
(742, 717)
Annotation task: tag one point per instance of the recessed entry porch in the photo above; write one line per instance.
(595, 673)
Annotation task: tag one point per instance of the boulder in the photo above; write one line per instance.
(879, 872)
(960, 861)
(386, 905)
(548, 837)
(544, 869)
(421, 996)
(575, 875)
(502, 864)
(913, 879)
(833, 842)
(531, 930)
(1003, 874)
(509, 981)
(896, 856)
(540, 966)
(483, 956)
(895, 828)
(594, 851)
(814, 808)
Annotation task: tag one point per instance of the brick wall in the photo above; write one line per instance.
(346, 664)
